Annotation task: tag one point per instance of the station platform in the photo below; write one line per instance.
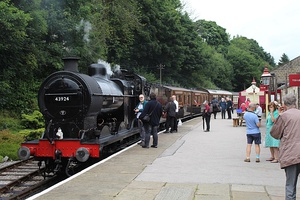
(188, 165)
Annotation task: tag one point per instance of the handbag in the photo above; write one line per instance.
(147, 118)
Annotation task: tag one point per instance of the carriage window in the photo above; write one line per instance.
(179, 98)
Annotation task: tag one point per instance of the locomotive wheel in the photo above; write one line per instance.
(70, 167)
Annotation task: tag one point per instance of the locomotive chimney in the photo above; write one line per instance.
(71, 64)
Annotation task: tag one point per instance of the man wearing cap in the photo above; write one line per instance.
(138, 110)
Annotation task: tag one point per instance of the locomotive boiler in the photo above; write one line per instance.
(85, 115)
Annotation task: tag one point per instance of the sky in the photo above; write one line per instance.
(274, 24)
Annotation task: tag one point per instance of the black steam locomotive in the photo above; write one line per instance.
(85, 115)
(88, 115)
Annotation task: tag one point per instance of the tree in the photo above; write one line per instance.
(218, 69)
(212, 34)
(35, 36)
(194, 61)
(247, 60)
(283, 60)
(114, 29)
(159, 38)
(137, 35)
(14, 54)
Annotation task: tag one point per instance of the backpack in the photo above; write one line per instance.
(215, 105)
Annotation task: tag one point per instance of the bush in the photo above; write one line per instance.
(33, 121)
(10, 151)
(12, 132)
(10, 143)
(11, 121)
(32, 134)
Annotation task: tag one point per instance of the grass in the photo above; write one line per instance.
(14, 129)
(10, 144)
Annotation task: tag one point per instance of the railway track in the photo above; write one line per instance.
(22, 179)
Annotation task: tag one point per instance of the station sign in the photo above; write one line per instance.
(294, 80)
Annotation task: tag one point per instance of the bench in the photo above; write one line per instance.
(240, 115)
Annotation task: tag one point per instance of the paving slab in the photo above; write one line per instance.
(188, 165)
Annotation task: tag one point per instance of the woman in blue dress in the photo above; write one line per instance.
(271, 142)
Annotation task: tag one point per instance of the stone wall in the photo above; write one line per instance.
(282, 73)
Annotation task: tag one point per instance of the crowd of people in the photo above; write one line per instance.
(225, 105)
(154, 110)
(286, 129)
(252, 116)
(282, 135)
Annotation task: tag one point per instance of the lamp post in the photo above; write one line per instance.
(265, 86)
(274, 85)
(161, 67)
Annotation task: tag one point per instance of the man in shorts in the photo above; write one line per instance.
(253, 132)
